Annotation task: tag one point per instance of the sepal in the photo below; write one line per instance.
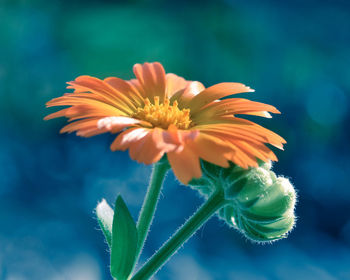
(260, 204)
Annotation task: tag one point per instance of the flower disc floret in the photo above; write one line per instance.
(163, 115)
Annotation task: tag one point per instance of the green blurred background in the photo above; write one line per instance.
(295, 54)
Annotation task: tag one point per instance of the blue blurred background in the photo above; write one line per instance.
(294, 53)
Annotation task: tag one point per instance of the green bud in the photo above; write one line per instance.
(260, 204)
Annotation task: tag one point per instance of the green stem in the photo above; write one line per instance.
(150, 203)
(214, 203)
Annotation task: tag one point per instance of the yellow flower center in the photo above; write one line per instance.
(163, 115)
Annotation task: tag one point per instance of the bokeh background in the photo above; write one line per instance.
(294, 53)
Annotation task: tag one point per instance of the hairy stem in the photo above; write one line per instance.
(214, 203)
(150, 204)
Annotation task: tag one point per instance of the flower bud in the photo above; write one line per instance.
(260, 204)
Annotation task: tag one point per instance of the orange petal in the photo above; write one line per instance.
(241, 157)
(82, 124)
(234, 106)
(126, 138)
(175, 139)
(124, 87)
(174, 84)
(60, 113)
(259, 150)
(81, 97)
(116, 124)
(245, 153)
(211, 149)
(141, 144)
(184, 96)
(136, 147)
(151, 77)
(135, 84)
(91, 101)
(84, 128)
(185, 165)
(263, 114)
(245, 128)
(90, 132)
(227, 135)
(103, 89)
(216, 92)
(84, 111)
(146, 150)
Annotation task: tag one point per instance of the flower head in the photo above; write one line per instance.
(159, 113)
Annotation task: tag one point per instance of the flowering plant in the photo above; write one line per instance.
(164, 120)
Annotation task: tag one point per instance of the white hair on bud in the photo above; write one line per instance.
(105, 214)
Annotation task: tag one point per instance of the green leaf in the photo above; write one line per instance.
(124, 241)
(104, 215)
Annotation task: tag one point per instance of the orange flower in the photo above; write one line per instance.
(159, 113)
